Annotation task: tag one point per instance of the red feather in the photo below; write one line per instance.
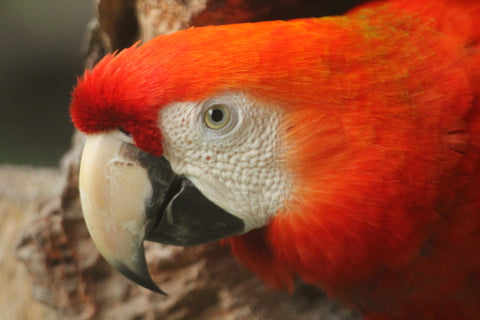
(383, 120)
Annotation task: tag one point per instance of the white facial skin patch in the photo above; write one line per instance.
(231, 148)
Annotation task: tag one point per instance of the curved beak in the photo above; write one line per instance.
(129, 196)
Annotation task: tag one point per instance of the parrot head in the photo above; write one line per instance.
(214, 132)
(187, 139)
(338, 149)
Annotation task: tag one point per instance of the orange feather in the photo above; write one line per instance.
(383, 120)
(386, 215)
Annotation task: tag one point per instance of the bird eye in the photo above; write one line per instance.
(217, 116)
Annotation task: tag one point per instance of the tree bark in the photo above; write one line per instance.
(24, 191)
(65, 272)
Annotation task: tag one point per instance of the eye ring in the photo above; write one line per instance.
(217, 116)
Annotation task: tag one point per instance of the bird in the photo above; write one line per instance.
(343, 150)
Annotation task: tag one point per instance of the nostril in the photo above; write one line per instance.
(125, 132)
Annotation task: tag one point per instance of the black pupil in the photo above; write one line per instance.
(216, 115)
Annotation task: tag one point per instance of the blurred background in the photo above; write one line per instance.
(40, 58)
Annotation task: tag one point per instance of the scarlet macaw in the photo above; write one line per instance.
(344, 150)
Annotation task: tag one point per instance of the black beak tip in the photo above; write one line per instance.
(145, 281)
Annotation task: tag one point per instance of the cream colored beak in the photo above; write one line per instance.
(129, 196)
(114, 190)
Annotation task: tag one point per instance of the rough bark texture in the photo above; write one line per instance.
(64, 270)
(23, 192)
